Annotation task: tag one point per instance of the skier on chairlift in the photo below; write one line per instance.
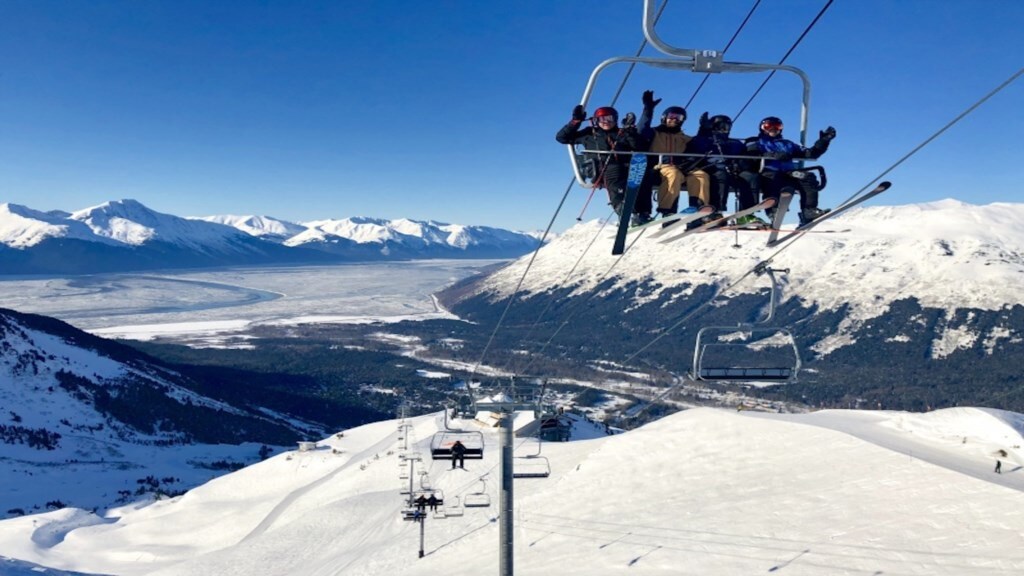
(609, 171)
(781, 173)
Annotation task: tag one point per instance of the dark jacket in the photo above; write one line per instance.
(594, 138)
(458, 449)
(663, 139)
(783, 151)
(717, 144)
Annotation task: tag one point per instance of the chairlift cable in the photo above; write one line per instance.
(724, 50)
(554, 217)
(554, 296)
(791, 48)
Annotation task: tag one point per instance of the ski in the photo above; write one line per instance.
(835, 212)
(680, 218)
(780, 214)
(637, 167)
(768, 203)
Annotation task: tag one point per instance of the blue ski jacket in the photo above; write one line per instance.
(782, 151)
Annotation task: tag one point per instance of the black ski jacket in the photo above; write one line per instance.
(594, 138)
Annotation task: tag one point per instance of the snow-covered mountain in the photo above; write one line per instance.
(703, 491)
(913, 294)
(87, 421)
(409, 238)
(261, 226)
(126, 235)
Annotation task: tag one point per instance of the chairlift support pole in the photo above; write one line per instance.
(507, 407)
(699, 61)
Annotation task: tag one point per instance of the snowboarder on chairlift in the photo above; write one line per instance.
(778, 174)
(421, 503)
(609, 171)
(432, 503)
(673, 171)
(458, 454)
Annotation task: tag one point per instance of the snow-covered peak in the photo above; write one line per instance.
(259, 226)
(130, 222)
(21, 227)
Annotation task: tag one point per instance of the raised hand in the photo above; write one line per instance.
(578, 113)
(648, 99)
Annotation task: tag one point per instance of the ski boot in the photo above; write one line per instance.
(751, 222)
(808, 215)
(639, 220)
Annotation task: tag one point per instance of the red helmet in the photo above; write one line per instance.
(606, 111)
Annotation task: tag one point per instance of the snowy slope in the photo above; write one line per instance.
(81, 425)
(947, 255)
(700, 492)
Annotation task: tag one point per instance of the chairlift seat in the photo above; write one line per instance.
(746, 374)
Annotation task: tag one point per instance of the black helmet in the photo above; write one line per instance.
(720, 124)
(674, 110)
(771, 121)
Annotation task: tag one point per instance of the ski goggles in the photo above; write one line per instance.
(609, 119)
(674, 116)
(771, 126)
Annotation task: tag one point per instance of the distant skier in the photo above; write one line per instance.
(458, 455)
(777, 174)
(432, 503)
(999, 467)
(421, 503)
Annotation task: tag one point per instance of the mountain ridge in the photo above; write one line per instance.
(125, 235)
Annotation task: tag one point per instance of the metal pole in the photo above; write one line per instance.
(505, 526)
(423, 523)
(412, 465)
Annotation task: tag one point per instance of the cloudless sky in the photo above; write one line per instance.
(447, 110)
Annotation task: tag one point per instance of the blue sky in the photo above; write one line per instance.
(447, 110)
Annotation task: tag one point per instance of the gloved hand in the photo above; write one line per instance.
(578, 113)
(648, 99)
(629, 121)
(827, 134)
(705, 122)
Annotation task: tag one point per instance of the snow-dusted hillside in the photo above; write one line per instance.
(84, 420)
(703, 491)
(947, 255)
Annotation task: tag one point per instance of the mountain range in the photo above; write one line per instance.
(125, 235)
(911, 306)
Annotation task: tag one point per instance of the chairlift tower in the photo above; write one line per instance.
(522, 393)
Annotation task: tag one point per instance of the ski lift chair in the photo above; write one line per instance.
(748, 352)
(480, 498)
